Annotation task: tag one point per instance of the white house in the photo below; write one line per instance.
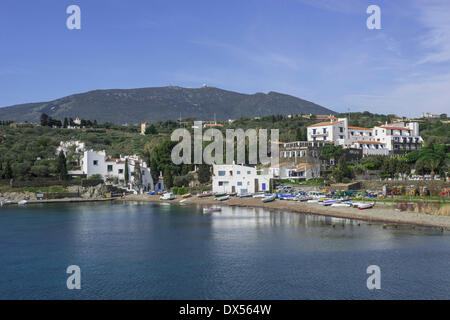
(97, 162)
(66, 145)
(240, 179)
(300, 171)
(380, 140)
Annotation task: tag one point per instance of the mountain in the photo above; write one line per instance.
(162, 103)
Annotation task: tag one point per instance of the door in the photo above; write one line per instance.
(263, 187)
(256, 185)
(233, 189)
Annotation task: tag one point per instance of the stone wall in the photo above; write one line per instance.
(435, 187)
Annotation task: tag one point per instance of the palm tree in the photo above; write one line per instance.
(432, 164)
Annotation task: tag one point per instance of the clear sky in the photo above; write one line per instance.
(319, 50)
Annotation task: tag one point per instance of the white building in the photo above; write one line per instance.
(299, 171)
(240, 179)
(110, 169)
(380, 140)
(66, 145)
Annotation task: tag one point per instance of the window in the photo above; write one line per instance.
(361, 133)
(370, 134)
(220, 183)
(249, 172)
(324, 138)
(314, 131)
(221, 173)
(341, 137)
(324, 130)
(239, 183)
(360, 145)
(238, 172)
(352, 133)
(110, 168)
(120, 171)
(341, 129)
(95, 162)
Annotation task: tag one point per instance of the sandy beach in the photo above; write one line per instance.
(381, 213)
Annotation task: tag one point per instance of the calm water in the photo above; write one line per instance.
(148, 251)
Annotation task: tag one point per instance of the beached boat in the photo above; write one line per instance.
(245, 195)
(223, 198)
(205, 194)
(363, 206)
(329, 202)
(269, 198)
(187, 195)
(211, 210)
(219, 195)
(259, 195)
(167, 196)
(5, 202)
(341, 204)
(22, 202)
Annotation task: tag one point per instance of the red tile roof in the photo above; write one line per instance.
(395, 128)
(359, 128)
(322, 124)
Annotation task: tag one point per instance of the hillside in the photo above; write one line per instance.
(162, 103)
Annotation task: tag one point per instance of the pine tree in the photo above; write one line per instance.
(61, 166)
(65, 123)
(126, 173)
(7, 172)
(44, 120)
(137, 176)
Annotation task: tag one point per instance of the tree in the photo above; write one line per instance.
(151, 129)
(126, 173)
(7, 172)
(137, 176)
(342, 171)
(204, 173)
(168, 178)
(44, 120)
(61, 166)
(432, 164)
(65, 123)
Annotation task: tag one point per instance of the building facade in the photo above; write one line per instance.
(381, 140)
(240, 179)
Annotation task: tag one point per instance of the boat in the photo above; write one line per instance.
(245, 195)
(167, 196)
(260, 195)
(211, 210)
(219, 195)
(5, 202)
(22, 202)
(223, 198)
(205, 194)
(342, 204)
(187, 195)
(269, 198)
(329, 202)
(287, 196)
(363, 206)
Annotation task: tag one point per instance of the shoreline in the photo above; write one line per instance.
(381, 213)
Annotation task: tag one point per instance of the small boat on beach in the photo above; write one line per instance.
(167, 196)
(363, 206)
(219, 195)
(187, 195)
(342, 204)
(211, 210)
(22, 202)
(269, 198)
(223, 198)
(245, 195)
(205, 194)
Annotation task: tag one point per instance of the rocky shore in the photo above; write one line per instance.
(382, 213)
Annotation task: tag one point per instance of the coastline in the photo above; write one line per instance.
(381, 213)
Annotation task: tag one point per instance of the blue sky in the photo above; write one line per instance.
(319, 50)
